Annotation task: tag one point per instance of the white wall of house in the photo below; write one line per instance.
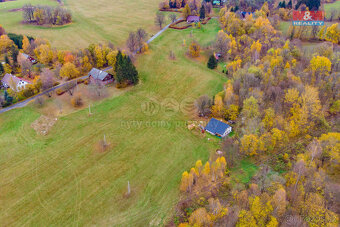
(227, 132)
(21, 85)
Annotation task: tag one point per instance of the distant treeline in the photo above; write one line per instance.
(46, 15)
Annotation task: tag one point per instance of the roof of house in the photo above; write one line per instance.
(9, 77)
(25, 55)
(216, 126)
(98, 74)
(193, 18)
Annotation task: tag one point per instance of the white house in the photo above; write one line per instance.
(13, 82)
(218, 128)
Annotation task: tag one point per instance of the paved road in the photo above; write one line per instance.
(26, 101)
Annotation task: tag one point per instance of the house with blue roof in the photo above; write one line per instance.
(218, 128)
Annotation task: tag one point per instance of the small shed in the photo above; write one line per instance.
(100, 76)
(217, 56)
(193, 19)
(31, 59)
(218, 128)
(245, 14)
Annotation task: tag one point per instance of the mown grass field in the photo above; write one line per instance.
(61, 180)
(331, 6)
(93, 21)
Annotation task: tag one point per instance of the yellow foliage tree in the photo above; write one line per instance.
(200, 217)
(234, 65)
(280, 201)
(268, 119)
(320, 65)
(229, 93)
(273, 222)
(316, 213)
(278, 138)
(198, 166)
(206, 169)
(69, 71)
(184, 182)
(111, 58)
(186, 11)
(251, 144)
(26, 46)
(44, 54)
(333, 33)
(217, 211)
(100, 56)
(322, 32)
(311, 102)
(292, 96)
(250, 108)
(246, 219)
(260, 211)
(217, 109)
(86, 64)
(61, 56)
(5, 43)
(331, 145)
(232, 112)
(194, 49)
(256, 49)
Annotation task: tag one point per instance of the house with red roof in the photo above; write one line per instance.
(31, 59)
(13, 82)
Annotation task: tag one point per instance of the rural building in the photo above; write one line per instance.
(217, 56)
(218, 2)
(13, 82)
(99, 76)
(193, 19)
(244, 14)
(32, 60)
(218, 128)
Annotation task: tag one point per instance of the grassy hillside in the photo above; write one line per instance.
(61, 180)
(110, 21)
(331, 6)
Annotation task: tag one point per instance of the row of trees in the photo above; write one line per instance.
(136, 40)
(56, 65)
(190, 7)
(46, 15)
(329, 33)
(285, 102)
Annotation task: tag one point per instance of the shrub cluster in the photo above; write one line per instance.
(46, 15)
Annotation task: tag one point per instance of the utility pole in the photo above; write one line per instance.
(129, 189)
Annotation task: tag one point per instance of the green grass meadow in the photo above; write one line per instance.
(61, 180)
(331, 6)
(93, 21)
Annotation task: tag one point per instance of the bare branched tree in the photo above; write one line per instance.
(160, 20)
(132, 42)
(70, 87)
(173, 17)
(47, 80)
(203, 105)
